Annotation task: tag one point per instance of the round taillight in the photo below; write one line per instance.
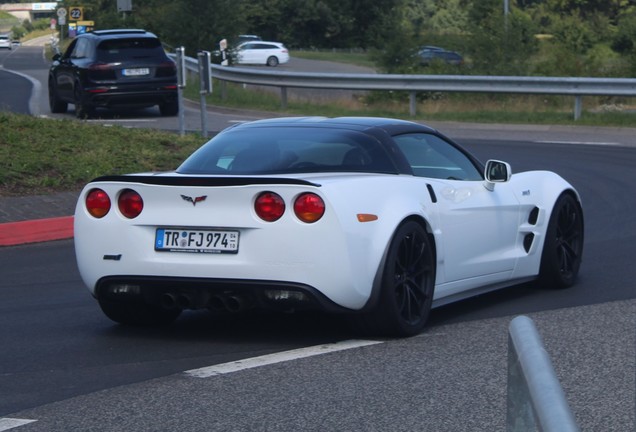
(269, 206)
(97, 203)
(130, 203)
(309, 207)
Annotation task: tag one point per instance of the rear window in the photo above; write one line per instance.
(288, 150)
(130, 48)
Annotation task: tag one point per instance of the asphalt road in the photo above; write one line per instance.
(66, 366)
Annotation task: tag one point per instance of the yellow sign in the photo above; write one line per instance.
(85, 26)
(76, 13)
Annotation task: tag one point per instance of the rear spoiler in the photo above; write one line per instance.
(183, 180)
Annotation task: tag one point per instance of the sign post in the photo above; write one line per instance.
(61, 14)
(205, 79)
(223, 47)
(181, 83)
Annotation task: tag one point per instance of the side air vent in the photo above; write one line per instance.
(533, 216)
(527, 242)
(431, 192)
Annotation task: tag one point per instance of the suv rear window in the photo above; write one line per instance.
(116, 49)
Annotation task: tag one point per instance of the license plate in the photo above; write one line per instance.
(198, 241)
(136, 72)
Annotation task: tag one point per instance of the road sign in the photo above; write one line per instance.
(61, 12)
(124, 5)
(76, 13)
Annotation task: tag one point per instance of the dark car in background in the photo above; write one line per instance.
(430, 54)
(123, 68)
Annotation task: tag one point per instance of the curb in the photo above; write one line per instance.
(34, 231)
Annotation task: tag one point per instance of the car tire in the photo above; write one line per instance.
(407, 284)
(272, 61)
(137, 313)
(83, 110)
(563, 246)
(56, 105)
(169, 109)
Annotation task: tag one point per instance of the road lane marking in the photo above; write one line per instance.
(269, 359)
(10, 423)
(132, 120)
(580, 143)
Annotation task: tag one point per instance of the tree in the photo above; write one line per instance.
(324, 23)
(499, 46)
(586, 8)
(194, 24)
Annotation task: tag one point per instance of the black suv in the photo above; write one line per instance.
(112, 69)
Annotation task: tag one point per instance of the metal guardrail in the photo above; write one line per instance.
(577, 87)
(535, 397)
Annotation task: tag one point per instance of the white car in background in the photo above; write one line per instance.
(262, 53)
(5, 42)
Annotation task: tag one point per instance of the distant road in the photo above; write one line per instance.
(28, 61)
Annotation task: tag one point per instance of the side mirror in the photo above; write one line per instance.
(496, 172)
(57, 57)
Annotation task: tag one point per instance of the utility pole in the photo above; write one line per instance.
(506, 12)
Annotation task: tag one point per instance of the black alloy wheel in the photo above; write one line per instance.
(408, 283)
(563, 248)
(169, 109)
(83, 110)
(56, 105)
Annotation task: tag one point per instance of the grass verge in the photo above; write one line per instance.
(480, 108)
(43, 155)
(349, 57)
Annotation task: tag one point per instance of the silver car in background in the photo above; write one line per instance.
(5, 42)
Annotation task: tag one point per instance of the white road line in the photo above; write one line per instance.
(269, 359)
(106, 121)
(10, 423)
(580, 143)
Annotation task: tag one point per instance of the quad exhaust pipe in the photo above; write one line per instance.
(229, 303)
(180, 301)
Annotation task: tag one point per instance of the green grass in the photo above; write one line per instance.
(482, 108)
(44, 155)
(349, 57)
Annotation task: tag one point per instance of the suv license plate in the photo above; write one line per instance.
(136, 72)
(198, 241)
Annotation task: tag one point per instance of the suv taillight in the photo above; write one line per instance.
(166, 69)
(101, 71)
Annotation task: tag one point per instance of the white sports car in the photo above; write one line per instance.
(379, 218)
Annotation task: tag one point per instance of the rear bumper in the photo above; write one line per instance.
(216, 294)
(133, 97)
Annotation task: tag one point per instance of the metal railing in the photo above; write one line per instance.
(535, 399)
(576, 87)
